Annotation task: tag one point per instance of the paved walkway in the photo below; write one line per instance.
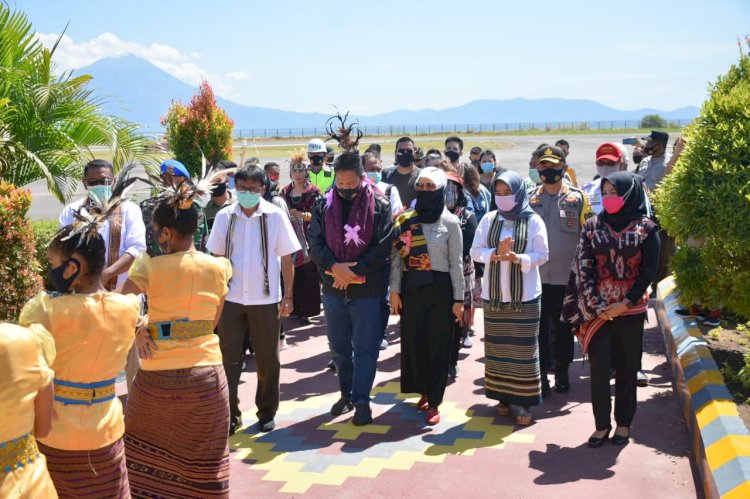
(471, 453)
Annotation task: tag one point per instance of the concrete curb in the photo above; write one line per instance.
(721, 443)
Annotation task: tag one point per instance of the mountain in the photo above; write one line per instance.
(141, 92)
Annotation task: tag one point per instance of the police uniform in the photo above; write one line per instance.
(323, 180)
(564, 215)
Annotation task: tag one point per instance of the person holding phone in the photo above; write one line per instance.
(427, 289)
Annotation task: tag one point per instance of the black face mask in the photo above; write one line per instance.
(219, 190)
(316, 160)
(347, 194)
(430, 205)
(551, 175)
(59, 282)
(405, 158)
(453, 155)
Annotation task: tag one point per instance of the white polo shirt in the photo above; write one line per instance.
(246, 286)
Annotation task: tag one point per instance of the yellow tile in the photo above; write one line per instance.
(740, 492)
(704, 378)
(713, 410)
(726, 449)
(349, 431)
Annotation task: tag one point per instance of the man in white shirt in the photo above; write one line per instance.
(124, 236)
(258, 239)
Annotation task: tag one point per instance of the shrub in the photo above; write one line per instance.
(18, 265)
(199, 126)
(44, 230)
(653, 121)
(705, 202)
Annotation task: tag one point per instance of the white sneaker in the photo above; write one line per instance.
(283, 344)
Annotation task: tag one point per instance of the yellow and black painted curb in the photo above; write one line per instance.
(721, 442)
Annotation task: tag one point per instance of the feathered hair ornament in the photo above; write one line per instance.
(297, 161)
(343, 134)
(182, 195)
(91, 216)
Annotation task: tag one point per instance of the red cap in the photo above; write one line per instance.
(455, 177)
(608, 151)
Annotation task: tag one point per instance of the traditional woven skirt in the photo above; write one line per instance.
(306, 290)
(511, 372)
(99, 473)
(176, 430)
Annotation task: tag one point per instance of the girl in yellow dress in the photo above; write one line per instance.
(26, 401)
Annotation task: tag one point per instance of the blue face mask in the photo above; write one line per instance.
(248, 199)
(487, 167)
(534, 176)
(99, 193)
(375, 177)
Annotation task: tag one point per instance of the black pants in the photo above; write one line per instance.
(666, 248)
(262, 323)
(550, 326)
(618, 342)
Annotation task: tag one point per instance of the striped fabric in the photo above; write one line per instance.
(511, 373)
(99, 473)
(176, 430)
(520, 236)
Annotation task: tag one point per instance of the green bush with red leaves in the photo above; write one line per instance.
(19, 266)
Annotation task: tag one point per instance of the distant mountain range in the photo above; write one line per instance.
(141, 92)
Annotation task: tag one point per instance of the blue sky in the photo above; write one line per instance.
(373, 57)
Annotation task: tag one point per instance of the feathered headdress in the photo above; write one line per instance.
(343, 133)
(298, 158)
(181, 196)
(90, 217)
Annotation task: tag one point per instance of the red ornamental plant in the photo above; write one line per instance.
(200, 126)
(18, 261)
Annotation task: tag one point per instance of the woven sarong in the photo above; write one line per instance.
(511, 372)
(176, 430)
(99, 473)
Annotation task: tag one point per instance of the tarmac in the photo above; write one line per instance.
(472, 452)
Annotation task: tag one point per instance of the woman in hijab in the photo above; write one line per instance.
(512, 243)
(607, 297)
(427, 289)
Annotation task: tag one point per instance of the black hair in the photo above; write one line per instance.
(488, 152)
(348, 161)
(97, 163)
(270, 164)
(453, 138)
(538, 150)
(226, 164)
(434, 151)
(252, 173)
(368, 155)
(373, 149)
(185, 222)
(476, 150)
(404, 139)
(92, 250)
(562, 142)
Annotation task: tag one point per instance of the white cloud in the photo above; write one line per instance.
(72, 55)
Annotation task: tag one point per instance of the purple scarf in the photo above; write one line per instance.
(350, 240)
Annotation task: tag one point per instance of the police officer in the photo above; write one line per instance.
(564, 209)
(321, 175)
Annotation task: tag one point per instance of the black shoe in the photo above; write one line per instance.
(595, 442)
(621, 439)
(266, 426)
(331, 366)
(562, 383)
(546, 390)
(234, 425)
(342, 406)
(642, 379)
(304, 321)
(362, 414)
(454, 371)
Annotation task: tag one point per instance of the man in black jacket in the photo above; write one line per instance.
(350, 241)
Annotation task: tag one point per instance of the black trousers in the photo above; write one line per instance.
(617, 344)
(551, 327)
(262, 324)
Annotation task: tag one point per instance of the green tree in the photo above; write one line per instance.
(49, 123)
(653, 121)
(705, 202)
(201, 127)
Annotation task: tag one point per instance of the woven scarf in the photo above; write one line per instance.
(350, 239)
(520, 235)
(411, 244)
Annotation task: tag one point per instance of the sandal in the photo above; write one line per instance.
(503, 409)
(523, 417)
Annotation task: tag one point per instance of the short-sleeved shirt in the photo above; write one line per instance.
(93, 335)
(563, 214)
(405, 183)
(246, 286)
(132, 233)
(653, 169)
(25, 357)
(183, 285)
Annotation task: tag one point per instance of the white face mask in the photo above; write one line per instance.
(606, 171)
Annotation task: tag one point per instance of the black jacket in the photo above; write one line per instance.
(371, 264)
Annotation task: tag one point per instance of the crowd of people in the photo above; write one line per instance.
(178, 292)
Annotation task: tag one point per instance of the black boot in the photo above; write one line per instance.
(545, 386)
(562, 383)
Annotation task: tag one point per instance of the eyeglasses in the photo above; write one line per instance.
(90, 182)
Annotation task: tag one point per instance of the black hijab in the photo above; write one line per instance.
(630, 187)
